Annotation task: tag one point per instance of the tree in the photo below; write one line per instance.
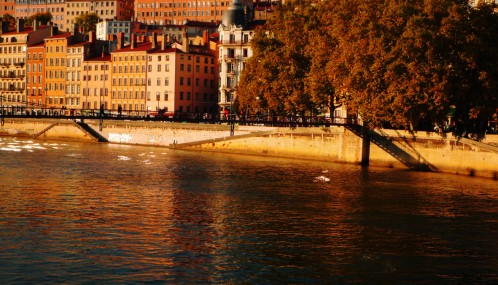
(87, 22)
(274, 77)
(43, 18)
(10, 19)
(403, 63)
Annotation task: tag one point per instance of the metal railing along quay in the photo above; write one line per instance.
(181, 117)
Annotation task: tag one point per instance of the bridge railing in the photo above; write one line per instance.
(258, 119)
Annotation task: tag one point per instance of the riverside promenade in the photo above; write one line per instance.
(335, 143)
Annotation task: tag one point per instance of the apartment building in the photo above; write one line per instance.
(106, 28)
(7, 7)
(27, 8)
(13, 58)
(55, 69)
(75, 54)
(96, 83)
(129, 75)
(235, 32)
(181, 78)
(35, 75)
(57, 9)
(120, 10)
(179, 12)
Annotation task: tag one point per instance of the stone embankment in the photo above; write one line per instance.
(335, 144)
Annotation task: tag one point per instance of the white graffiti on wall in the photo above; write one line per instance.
(120, 138)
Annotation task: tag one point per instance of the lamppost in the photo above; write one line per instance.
(1, 110)
(46, 100)
(232, 123)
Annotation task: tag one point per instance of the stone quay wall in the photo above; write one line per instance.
(335, 144)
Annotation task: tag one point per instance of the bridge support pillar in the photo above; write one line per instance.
(365, 147)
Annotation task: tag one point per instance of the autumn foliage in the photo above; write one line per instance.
(393, 62)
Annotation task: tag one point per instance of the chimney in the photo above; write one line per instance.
(121, 40)
(185, 43)
(91, 36)
(133, 41)
(75, 30)
(35, 25)
(163, 42)
(154, 39)
(53, 31)
(20, 25)
(205, 37)
(5, 27)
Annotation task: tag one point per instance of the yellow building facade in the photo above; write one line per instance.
(129, 75)
(96, 84)
(55, 70)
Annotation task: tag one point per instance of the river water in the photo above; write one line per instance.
(102, 214)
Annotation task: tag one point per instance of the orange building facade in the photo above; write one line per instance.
(55, 70)
(7, 7)
(35, 79)
(178, 12)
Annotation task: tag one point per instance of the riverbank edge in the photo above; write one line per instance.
(331, 144)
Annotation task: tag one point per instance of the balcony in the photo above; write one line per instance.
(11, 76)
(12, 89)
(19, 64)
(230, 58)
(229, 87)
(234, 42)
(231, 73)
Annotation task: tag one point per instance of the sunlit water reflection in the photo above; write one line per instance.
(103, 213)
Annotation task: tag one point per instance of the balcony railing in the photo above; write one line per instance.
(234, 42)
(10, 76)
(229, 87)
(12, 89)
(230, 58)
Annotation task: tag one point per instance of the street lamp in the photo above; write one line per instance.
(232, 123)
(46, 100)
(1, 110)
